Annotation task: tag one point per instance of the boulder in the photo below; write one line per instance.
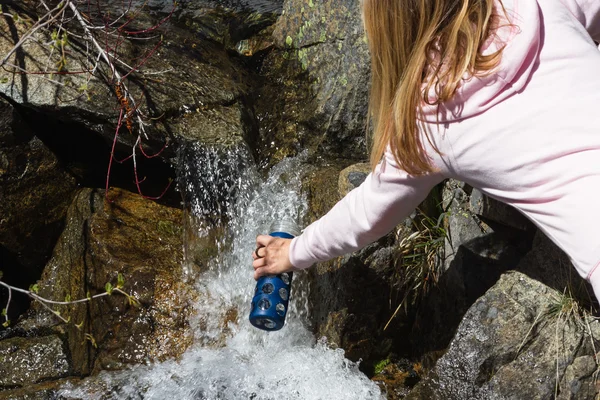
(352, 177)
(316, 82)
(351, 295)
(183, 77)
(126, 234)
(46, 390)
(495, 211)
(551, 266)
(35, 191)
(474, 257)
(520, 340)
(233, 24)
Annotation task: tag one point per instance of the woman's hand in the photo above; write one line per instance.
(271, 256)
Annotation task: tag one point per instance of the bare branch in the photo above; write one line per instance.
(47, 20)
(110, 64)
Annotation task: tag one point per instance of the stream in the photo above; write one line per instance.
(230, 359)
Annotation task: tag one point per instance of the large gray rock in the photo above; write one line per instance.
(317, 81)
(550, 265)
(186, 76)
(475, 255)
(519, 341)
(496, 211)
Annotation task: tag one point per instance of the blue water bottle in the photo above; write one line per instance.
(272, 293)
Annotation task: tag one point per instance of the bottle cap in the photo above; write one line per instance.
(286, 225)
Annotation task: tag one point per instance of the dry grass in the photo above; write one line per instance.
(418, 255)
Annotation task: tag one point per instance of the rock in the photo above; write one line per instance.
(352, 177)
(315, 93)
(350, 294)
(42, 391)
(24, 361)
(578, 381)
(551, 266)
(35, 192)
(226, 22)
(346, 319)
(493, 210)
(397, 378)
(475, 256)
(139, 239)
(514, 342)
(347, 296)
(184, 75)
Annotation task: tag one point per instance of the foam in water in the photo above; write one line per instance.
(243, 363)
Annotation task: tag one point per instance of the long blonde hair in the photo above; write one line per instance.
(419, 47)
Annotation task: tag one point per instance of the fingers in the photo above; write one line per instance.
(264, 240)
(259, 262)
(271, 256)
(258, 273)
(259, 253)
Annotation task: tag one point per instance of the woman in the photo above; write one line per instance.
(502, 95)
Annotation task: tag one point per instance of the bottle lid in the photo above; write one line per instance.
(286, 225)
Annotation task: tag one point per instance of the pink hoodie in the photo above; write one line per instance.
(527, 135)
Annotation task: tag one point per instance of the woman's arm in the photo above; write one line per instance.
(382, 201)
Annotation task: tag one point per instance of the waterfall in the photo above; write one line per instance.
(231, 359)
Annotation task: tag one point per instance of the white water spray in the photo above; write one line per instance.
(241, 362)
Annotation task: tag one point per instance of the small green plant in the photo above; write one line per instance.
(380, 366)
(417, 259)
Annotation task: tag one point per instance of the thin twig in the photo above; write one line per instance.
(34, 29)
(111, 65)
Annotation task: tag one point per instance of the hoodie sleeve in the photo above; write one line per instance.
(386, 197)
(588, 13)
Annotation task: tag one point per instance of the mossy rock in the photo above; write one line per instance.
(106, 235)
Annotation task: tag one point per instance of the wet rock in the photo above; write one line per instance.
(315, 93)
(398, 377)
(227, 22)
(514, 342)
(350, 294)
(27, 361)
(35, 192)
(129, 235)
(321, 187)
(47, 390)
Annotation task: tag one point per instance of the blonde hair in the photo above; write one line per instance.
(419, 47)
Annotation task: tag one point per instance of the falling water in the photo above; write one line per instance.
(239, 361)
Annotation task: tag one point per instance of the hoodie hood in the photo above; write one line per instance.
(522, 38)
